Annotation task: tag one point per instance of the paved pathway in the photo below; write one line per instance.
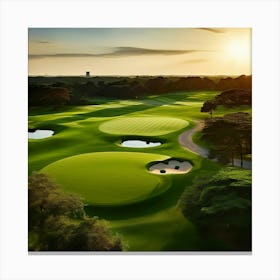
(185, 140)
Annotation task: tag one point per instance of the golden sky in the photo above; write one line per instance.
(139, 51)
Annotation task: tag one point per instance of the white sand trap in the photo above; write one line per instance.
(139, 144)
(40, 134)
(171, 167)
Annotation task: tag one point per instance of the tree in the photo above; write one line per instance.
(35, 94)
(220, 207)
(209, 106)
(241, 82)
(93, 234)
(44, 200)
(229, 136)
(39, 188)
(56, 96)
(57, 221)
(63, 234)
(234, 97)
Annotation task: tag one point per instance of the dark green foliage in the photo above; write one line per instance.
(56, 234)
(242, 82)
(43, 95)
(221, 207)
(56, 96)
(81, 90)
(45, 200)
(209, 106)
(94, 234)
(234, 97)
(229, 137)
(35, 94)
(58, 222)
(63, 234)
(228, 98)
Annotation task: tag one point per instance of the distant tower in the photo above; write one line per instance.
(87, 74)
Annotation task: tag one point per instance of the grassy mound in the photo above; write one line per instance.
(109, 178)
(146, 126)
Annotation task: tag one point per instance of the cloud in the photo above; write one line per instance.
(199, 60)
(34, 56)
(141, 51)
(213, 30)
(119, 52)
(43, 42)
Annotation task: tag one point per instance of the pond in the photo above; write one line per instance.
(139, 144)
(171, 167)
(40, 134)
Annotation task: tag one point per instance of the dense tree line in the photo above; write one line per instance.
(220, 207)
(234, 97)
(80, 90)
(229, 98)
(229, 137)
(57, 221)
(48, 96)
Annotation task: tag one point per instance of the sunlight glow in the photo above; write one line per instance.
(238, 50)
(60, 51)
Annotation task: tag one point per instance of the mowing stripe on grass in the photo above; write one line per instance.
(146, 126)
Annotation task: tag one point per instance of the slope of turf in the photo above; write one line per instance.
(109, 178)
(153, 224)
(146, 126)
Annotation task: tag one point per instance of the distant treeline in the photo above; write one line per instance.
(79, 90)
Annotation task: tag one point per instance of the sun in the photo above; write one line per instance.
(238, 50)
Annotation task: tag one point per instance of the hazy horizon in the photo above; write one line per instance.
(132, 76)
(139, 51)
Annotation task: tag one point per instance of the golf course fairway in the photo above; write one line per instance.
(85, 157)
(109, 178)
(146, 126)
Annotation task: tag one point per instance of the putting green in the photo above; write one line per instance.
(109, 178)
(146, 126)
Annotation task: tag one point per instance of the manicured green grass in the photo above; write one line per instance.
(222, 110)
(109, 178)
(164, 230)
(197, 139)
(145, 126)
(148, 224)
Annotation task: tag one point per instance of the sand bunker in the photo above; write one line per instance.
(139, 144)
(171, 167)
(40, 134)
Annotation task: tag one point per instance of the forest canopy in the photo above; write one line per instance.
(82, 89)
(221, 207)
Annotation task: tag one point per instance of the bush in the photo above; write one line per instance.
(229, 137)
(58, 222)
(221, 207)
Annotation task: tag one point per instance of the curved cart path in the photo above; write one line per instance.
(185, 140)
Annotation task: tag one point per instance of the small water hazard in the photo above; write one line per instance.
(171, 166)
(139, 144)
(39, 133)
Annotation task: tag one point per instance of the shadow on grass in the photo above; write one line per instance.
(166, 200)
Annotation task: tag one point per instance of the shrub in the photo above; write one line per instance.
(58, 222)
(221, 207)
